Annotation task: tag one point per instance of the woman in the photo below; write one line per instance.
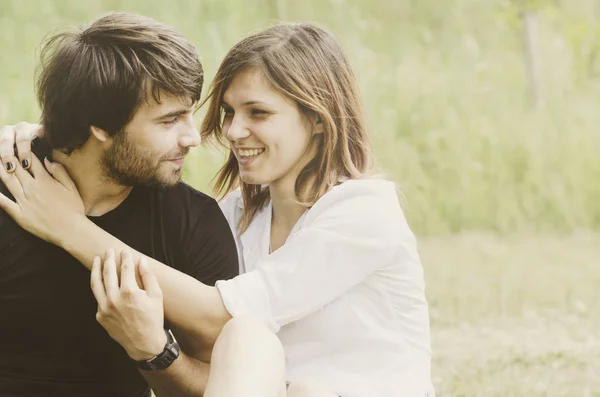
(328, 262)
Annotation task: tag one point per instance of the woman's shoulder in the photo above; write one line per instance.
(362, 204)
(371, 193)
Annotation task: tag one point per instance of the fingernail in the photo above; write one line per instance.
(25, 163)
(9, 166)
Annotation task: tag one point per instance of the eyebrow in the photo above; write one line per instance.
(248, 103)
(173, 114)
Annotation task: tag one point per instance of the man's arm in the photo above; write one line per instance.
(185, 377)
(131, 311)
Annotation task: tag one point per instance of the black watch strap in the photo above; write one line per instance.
(164, 359)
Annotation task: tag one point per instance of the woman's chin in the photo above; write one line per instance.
(253, 178)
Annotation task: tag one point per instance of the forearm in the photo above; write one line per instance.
(186, 377)
(192, 307)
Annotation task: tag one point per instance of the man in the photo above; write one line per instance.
(117, 101)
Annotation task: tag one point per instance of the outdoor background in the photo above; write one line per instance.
(486, 113)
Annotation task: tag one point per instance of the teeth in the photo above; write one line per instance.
(250, 152)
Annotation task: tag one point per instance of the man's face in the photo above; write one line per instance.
(151, 148)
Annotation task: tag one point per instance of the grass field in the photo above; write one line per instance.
(497, 189)
(516, 316)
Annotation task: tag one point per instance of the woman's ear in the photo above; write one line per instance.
(319, 126)
(99, 133)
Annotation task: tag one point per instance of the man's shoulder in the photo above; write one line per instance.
(10, 231)
(5, 219)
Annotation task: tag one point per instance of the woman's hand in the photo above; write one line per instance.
(47, 205)
(132, 315)
(17, 139)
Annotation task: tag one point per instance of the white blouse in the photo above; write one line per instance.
(345, 293)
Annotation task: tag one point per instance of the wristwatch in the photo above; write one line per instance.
(164, 359)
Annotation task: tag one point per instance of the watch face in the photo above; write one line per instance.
(164, 360)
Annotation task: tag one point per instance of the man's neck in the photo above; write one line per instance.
(99, 193)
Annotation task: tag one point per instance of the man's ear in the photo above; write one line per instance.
(99, 133)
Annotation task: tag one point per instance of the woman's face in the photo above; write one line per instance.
(267, 132)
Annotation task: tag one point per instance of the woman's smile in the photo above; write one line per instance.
(248, 156)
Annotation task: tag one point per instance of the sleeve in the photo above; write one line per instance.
(211, 252)
(338, 249)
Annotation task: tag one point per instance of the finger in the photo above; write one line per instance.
(23, 176)
(60, 174)
(96, 282)
(37, 169)
(38, 131)
(128, 282)
(24, 133)
(12, 184)
(7, 148)
(109, 276)
(9, 206)
(148, 278)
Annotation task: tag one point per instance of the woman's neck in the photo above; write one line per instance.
(286, 208)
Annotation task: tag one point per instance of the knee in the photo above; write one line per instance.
(246, 328)
(247, 333)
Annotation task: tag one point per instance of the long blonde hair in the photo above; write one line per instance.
(307, 64)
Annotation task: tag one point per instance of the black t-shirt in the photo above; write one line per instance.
(50, 342)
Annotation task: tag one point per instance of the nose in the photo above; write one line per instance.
(189, 135)
(236, 130)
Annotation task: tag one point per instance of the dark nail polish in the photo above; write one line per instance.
(25, 163)
(9, 166)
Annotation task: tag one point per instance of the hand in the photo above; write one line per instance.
(131, 315)
(48, 204)
(19, 136)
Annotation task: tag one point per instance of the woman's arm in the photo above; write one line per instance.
(192, 307)
(347, 236)
(130, 308)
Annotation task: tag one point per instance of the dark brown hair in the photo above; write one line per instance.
(100, 75)
(307, 64)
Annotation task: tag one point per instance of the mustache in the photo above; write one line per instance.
(176, 155)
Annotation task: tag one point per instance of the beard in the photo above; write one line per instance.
(129, 164)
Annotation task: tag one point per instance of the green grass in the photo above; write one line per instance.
(444, 87)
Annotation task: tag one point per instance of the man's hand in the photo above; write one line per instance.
(19, 137)
(131, 315)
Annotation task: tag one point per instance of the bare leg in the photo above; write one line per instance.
(247, 360)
